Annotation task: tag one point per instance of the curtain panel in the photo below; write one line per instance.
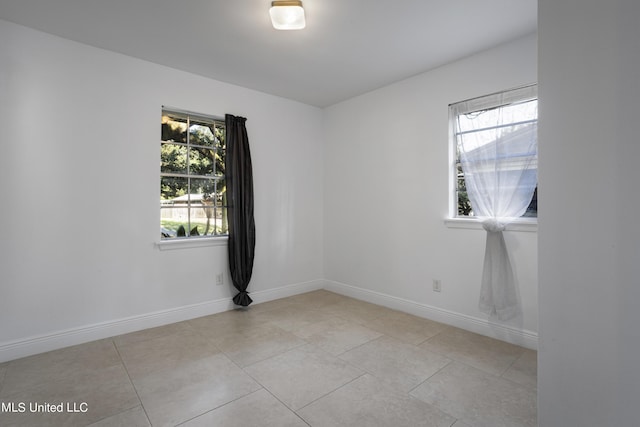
(242, 229)
(497, 142)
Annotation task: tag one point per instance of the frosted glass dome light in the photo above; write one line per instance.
(287, 15)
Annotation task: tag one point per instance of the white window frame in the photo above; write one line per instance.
(190, 241)
(453, 220)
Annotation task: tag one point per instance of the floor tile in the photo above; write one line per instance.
(488, 354)
(3, 370)
(335, 336)
(257, 343)
(316, 299)
(302, 375)
(257, 409)
(177, 395)
(151, 333)
(132, 418)
(524, 370)
(233, 322)
(102, 392)
(478, 398)
(269, 305)
(405, 327)
(293, 317)
(29, 372)
(357, 311)
(367, 402)
(403, 366)
(333, 359)
(164, 352)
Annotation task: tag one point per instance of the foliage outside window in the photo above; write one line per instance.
(513, 113)
(192, 179)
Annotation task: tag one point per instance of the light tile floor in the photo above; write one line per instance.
(316, 359)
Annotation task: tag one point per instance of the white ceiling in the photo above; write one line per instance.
(348, 48)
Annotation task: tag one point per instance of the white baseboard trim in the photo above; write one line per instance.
(56, 340)
(524, 338)
(286, 291)
(53, 341)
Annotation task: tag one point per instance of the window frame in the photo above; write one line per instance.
(190, 241)
(453, 220)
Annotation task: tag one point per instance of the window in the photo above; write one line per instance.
(192, 180)
(498, 127)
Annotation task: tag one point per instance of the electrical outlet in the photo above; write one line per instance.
(437, 285)
(219, 279)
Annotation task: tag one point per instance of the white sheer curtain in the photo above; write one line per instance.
(497, 144)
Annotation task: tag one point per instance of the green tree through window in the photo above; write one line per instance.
(192, 180)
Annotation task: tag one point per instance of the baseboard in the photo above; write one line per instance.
(286, 291)
(53, 341)
(524, 338)
(40, 344)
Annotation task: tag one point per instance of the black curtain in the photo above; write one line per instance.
(242, 227)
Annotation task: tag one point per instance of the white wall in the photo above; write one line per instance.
(589, 243)
(386, 193)
(79, 168)
(68, 171)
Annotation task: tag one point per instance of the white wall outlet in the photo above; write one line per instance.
(437, 285)
(219, 279)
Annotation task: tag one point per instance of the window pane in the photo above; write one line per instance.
(505, 134)
(208, 209)
(219, 134)
(174, 222)
(202, 161)
(221, 224)
(200, 133)
(172, 188)
(174, 128)
(193, 147)
(173, 158)
(506, 115)
(208, 220)
(532, 210)
(220, 150)
(201, 220)
(205, 189)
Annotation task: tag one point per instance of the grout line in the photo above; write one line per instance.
(218, 407)
(512, 363)
(332, 391)
(200, 334)
(267, 357)
(363, 344)
(433, 375)
(442, 331)
(113, 342)
(265, 388)
(284, 404)
(120, 413)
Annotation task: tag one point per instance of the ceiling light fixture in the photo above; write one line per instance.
(287, 15)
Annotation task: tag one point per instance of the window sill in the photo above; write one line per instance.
(527, 225)
(202, 242)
